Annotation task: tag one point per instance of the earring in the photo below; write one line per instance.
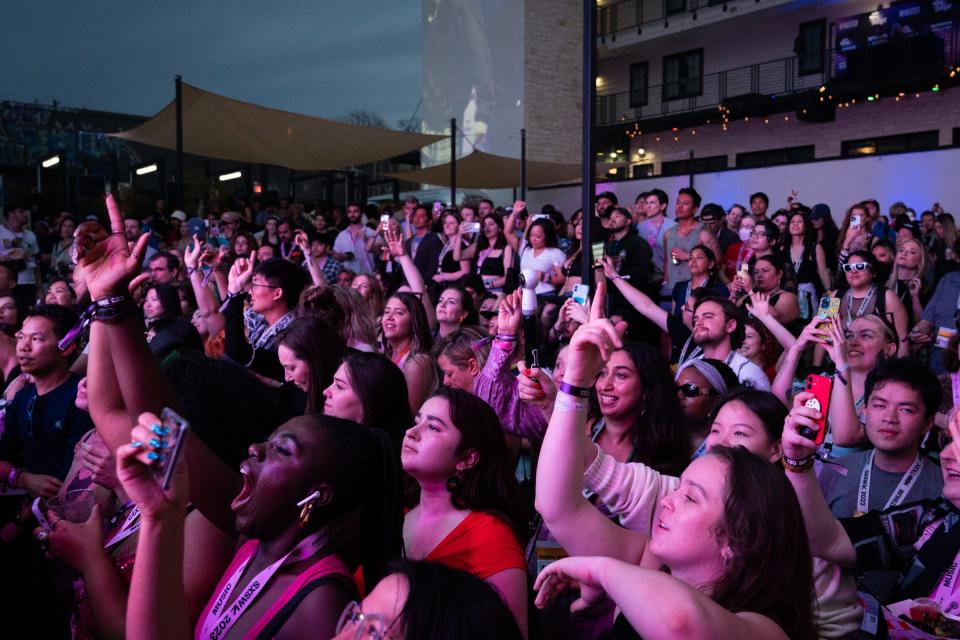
(726, 558)
(453, 482)
(305, 514)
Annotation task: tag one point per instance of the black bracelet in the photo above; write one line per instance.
(111, 309)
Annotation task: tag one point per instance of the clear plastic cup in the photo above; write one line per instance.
(72, 506)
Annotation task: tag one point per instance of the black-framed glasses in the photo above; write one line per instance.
(372, 626)
(855, 266)
(691, 390)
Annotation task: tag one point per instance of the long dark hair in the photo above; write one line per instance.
(169, 299)
(421, 340)
(382, 390)
(483, 242)
(449, 603)
(491, 484)
(364, 468)
(764, 575)
(466, 303)
(658, 436)
(313, 340)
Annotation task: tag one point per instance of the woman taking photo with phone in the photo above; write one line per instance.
(719, 533)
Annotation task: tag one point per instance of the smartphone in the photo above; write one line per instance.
(744, 271)
(820, 387)
(581, 293)
(384, 221)
(829, 307)
(855, 221)
(38, 509)
(596, 249)
(474, 227)
(179, 428)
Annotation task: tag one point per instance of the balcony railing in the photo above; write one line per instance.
(773, 78)
(635, 14)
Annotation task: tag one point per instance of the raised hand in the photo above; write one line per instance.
(394, 243)
(303, 242)
(110, 264)
(592, 344)
(510, 314)
(240, 273)
(134, 462)
(800, 418)
(191, 255)
(759, 304)
(536, 388)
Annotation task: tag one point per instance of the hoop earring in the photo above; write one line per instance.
(305, 514)
(453, 483)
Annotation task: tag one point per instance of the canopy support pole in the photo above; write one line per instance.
(453, 162)
(523, 164)
(180, 189)
(588, 160)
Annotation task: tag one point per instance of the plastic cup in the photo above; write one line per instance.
(72, 506)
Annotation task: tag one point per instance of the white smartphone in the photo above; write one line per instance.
(581, 293)
(855, 221)
(384, 221)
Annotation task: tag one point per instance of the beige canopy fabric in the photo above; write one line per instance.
(219, 127)
(481, 170)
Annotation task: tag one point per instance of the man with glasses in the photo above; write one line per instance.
(164, 268)
(274, 289)
(42, 423)
(914, 543)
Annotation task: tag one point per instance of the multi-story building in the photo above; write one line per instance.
(779, 95)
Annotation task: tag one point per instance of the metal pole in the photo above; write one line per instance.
(180, 189)
(523, 164)
(453, 162)
(588, 160)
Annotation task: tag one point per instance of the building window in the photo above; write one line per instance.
(683, 75)
(674, 7)
(644, 170)
(638, 84)
(810, 47)
(773, 157)
(920, 141)
(697, 165)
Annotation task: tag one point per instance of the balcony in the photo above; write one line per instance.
(634, 15)
(907, 64)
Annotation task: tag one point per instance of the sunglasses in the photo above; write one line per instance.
(856, 266)
(690, 390)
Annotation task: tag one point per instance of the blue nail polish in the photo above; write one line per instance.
(153, 455)
(160, 431)
(135, 444)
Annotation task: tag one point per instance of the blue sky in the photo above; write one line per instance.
(319, 57)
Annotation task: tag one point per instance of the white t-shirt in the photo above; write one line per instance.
(543, 263)
(747, 372)
(24, 240)
(345, 243)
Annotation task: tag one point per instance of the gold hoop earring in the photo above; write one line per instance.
(305, 514)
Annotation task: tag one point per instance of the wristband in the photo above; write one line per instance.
(568, 404)
(507, 337)
(797, 466)
(843, 368)
(111, 309)
(576, 392)
(191, 271)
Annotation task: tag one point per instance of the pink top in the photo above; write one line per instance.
(327, 565)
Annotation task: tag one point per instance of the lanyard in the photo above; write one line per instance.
(898, 495)
(130, 526)
(946, 593)
(217, 622)
(743, 255)
(863, 305)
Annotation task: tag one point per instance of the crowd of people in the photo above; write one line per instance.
(415, 420)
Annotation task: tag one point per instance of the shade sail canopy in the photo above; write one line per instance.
(481, 170)
(219, 127)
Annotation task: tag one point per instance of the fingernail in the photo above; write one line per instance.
(135, 444)
(159, 430)
(528, 372)
(153, 455)
(157, 443)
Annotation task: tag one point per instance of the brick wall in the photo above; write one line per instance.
(552, 68)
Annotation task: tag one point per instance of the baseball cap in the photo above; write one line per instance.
(179, 215)
(710, 212)
(819, 210)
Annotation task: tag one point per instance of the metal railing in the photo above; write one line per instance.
(634, 14)
(775, 77)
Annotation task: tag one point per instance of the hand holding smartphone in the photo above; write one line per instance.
(820, 387)
(178, 427)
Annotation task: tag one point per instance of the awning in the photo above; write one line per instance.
(219, 127)
(481, 170)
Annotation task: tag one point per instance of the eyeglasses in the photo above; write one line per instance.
(690, 390)
(370, 626)
(856, 266)
(758, 234)
(263, 284)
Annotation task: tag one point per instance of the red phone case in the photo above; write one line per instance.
(820, 387)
